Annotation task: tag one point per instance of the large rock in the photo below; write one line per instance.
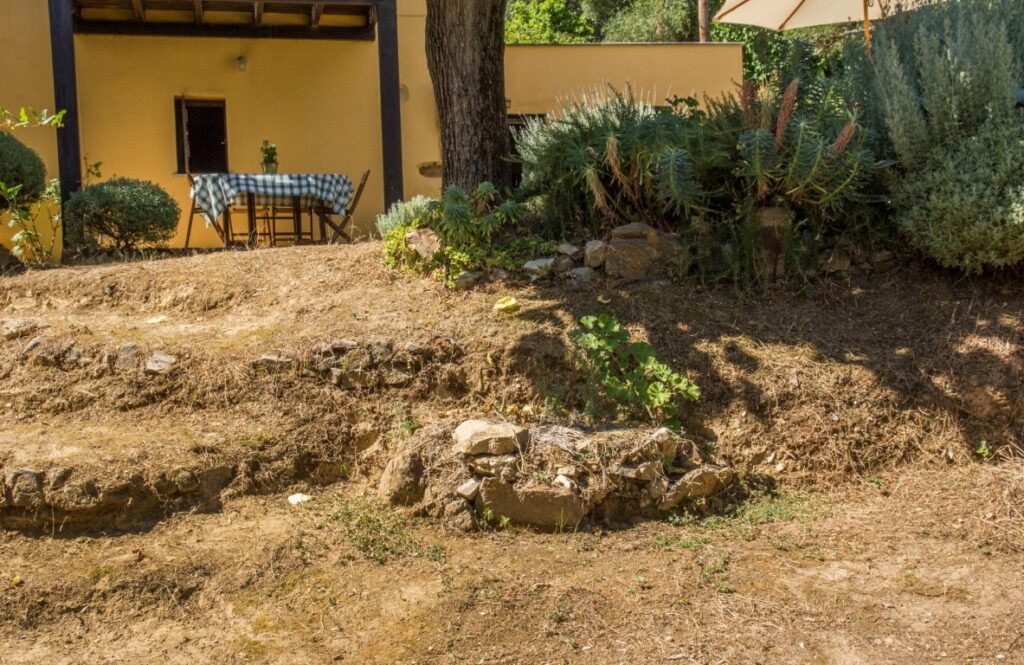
(594, 253)
(481, 437)
(402, 480)
(495, 466)
(543, 507)
(424, 242)
(539, 267)
(466, 280)
(637, 251)
(697, 484)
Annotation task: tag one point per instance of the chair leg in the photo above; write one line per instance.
(188, 230)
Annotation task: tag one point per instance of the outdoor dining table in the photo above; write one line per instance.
(322, 193)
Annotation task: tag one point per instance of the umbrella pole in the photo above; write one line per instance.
(867, 25)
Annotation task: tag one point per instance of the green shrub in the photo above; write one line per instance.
(701, 173)
(966, 208)
(124, 213)
(626, 377)
(21, 169)
(944, 70)
(402, 213)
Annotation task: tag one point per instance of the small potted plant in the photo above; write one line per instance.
(269, 152)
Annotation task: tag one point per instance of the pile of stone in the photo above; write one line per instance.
(634, 251)
(553, 477)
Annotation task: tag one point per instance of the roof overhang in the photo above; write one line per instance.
(266, 19)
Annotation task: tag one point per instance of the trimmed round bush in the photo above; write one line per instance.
(965, 208)
(21, 165)
(124, 213)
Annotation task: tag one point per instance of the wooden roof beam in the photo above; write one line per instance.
(140, 11)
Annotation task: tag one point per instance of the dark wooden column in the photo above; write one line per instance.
(390, 101)
(65, 94)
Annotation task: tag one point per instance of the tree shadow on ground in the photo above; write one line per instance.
(849, 377)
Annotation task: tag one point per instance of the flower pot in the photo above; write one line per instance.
(269, 169)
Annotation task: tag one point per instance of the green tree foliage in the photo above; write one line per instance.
(22, 172)
(546, 22)
(124, 213)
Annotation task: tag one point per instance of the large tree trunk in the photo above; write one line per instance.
(466, 56)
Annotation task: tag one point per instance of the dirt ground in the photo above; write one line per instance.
(877, 420)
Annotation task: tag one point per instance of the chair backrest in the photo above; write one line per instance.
(359, 193)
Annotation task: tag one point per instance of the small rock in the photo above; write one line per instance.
(582, 274)
(563, 264)
(351, 379)
(481, 437)
(657, 488)
(274, 363)
(697, 484)
(160, 363)
(402, 480)
(32, 345)
(494, 466)
(26, 488)
(185, 481)
(127, 357)
(296, 499)
(464, 281)
(837, 262)
(594, 253)
(539, 267)
(568, 471)
(469, 489)
(424, 242)
(340, 346)
(668, 443)
(15, 328)
(564, 482)
(630, 259)
(568, 249)
(645, 472)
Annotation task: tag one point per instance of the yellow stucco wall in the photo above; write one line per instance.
(318, 100)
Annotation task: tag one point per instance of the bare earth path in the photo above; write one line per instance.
(863, 403)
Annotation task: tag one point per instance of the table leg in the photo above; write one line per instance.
(323, 227)
(297, 217)
(250, 200)
(228, 235)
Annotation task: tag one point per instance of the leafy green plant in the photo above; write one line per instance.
(29, 243)
(625, 376)
(403, 213)
(22, 173)
(476, 232)
(124, 213)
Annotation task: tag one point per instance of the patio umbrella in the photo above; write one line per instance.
(789, 14)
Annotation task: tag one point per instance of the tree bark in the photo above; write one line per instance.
(703, 21)
(466, 57)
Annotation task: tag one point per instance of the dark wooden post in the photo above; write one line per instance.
(390, 101)
(65, 94)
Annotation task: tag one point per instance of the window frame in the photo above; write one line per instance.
(181, 137)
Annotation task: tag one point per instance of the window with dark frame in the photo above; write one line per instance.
(516, 125)
(202, 135)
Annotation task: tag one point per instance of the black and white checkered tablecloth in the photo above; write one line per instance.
(216, 192)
